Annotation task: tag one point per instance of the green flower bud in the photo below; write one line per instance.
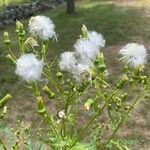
(99, 63)
(84, 31)
(48, 91)
(59, 75)
(126, 107)
(105, 95)
(11, 59)
(4, 100)
(144, 80)
(126, 69)
(20, 29)
(137, 72)
(88, 104)
(121, 82)
(131, 81)
(109, 106)
(124, 97)
(40, 105)
(6, 38)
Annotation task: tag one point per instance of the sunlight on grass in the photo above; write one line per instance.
(7, 2)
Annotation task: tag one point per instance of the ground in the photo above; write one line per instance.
(120, 21)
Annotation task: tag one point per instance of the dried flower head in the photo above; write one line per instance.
(42, 26)
(134, 54)
(29, 68)
(32, 42)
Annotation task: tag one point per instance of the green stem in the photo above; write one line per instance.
(1, 143)
(124, 117)
(51, 81)
(92, 119)
(10, 51)
(48, 118)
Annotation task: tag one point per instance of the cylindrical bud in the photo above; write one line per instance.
(5, 110)
(122, 82)
(137, 72)
(88, 104)
(4, 100)
(11, 59)
(99, 62)
(6, 38)
(48, 91)
(40, 105)
(20, 29)
(84, 31)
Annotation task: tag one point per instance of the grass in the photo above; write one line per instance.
(7, 2)
(118, 24)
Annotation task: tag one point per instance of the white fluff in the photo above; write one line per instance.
(134, 54)
(42, 26)
(29, 68)
(86, 50)
(81, 72)
(96, 38)
(67, 61)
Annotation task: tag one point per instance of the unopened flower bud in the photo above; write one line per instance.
(124, 96)
(126, 107)
(99, 62)
(20, 28)
(6, 38)
(40, 105)
(122, 82)
(126, 69)
(59, 75)
(4, 100)
(48, 91)
(84, 31)
(5, 110)
(144, 80)
(137, 72)
(88, 104)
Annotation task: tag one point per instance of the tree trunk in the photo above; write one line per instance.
(70, 6)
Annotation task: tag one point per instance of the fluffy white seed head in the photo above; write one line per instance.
(97, 39)
(29, 68)
(134, 54)
(67, 61)
(42, 27)
(82, 72)
(86, 50)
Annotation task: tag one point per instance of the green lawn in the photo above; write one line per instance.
(118, 24)
(7, 2)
